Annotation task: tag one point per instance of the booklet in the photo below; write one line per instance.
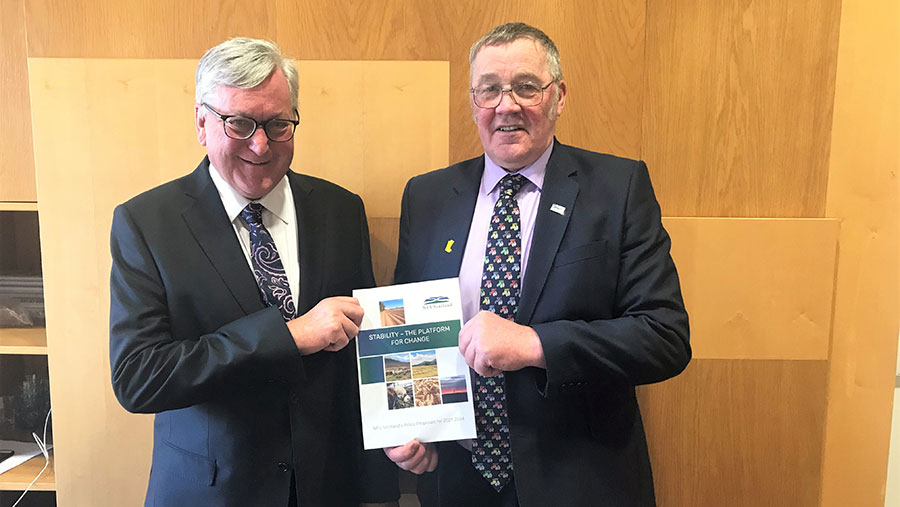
(413, 382)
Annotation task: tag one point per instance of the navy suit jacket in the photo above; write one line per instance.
(238, 409)
(601, 291)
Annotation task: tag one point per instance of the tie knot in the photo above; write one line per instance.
(252, 213)
(511, 184)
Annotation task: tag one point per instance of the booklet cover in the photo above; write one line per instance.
(413, 382)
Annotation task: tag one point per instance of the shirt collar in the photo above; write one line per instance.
(533, 172)
(275, 201)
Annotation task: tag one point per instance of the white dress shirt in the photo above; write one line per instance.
(279, 217)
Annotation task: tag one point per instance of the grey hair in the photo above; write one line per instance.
(243, 63)
(510, 32)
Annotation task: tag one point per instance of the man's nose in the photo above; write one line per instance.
(507, 102)
(259, 143)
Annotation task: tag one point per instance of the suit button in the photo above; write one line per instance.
(283, 467)
(295, 399)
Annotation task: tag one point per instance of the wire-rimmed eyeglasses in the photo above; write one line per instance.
(525, 94)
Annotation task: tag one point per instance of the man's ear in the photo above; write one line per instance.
(200, 123)
(561, 98)
(473, 108)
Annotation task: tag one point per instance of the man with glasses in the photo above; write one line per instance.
(570, 297)
(229, 311)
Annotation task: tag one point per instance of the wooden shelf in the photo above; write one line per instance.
(31, 340)
(18, 206)
(18, 478)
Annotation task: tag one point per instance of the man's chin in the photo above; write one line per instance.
(511, 161)
(256, 190)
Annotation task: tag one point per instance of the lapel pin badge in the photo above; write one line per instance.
(449, 247)
(559, 210)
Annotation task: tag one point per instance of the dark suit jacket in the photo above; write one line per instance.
(601, 291)
(238, 408)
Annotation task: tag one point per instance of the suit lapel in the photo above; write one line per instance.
(206, 218)
(311, 280)
(559, 193)
(456, 218)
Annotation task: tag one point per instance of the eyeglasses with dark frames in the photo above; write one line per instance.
(238, 127)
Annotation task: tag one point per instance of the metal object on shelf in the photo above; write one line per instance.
(21, 301)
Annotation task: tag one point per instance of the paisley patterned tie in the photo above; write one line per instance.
(267, 266)
(499, 294)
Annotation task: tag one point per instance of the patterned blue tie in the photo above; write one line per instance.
(267, 266)
(499, 294)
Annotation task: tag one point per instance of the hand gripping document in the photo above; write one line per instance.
(413, 382)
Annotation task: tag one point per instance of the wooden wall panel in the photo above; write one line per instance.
(82, 176)
(91, 429)
(602, 49)
(737, 120)
(363, 30)
(383, 235)
(738, 433)
(154, 142)
(142, 29)
(371, 125)
(864, 191)
(757, 288)
(16, 154)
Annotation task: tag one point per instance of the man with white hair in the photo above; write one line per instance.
(229, 311)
